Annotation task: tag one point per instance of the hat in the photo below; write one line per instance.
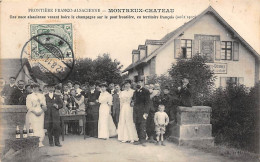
(127, 81)
(34, 85)
(167, 87)
(76, 82)
(102, 85)
(92, 83)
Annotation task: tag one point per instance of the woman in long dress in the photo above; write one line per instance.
(126, 126)
(106, 126)
(36, 106)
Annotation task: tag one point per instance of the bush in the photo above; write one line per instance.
(200, 76)
(235, 117)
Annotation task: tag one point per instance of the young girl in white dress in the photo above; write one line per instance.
(126, 127)
(106, 126)
(36, 106)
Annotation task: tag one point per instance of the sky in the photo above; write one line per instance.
(119, 37)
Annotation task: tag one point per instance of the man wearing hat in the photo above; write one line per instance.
(92, 110)
(52, 116)
(141, 103)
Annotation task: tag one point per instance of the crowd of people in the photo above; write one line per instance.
(131, 112)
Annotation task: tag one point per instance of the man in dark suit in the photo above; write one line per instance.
(116, 104)
(19, 92)
(111, 88)
(141, 103)
(52, 116)
(92, 111)
(8, 92)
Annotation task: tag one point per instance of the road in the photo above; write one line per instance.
(76, 149)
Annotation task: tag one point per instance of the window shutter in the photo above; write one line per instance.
(223, 82)
(218, 51)
(177, 47)
(235, 51)
(196, 47)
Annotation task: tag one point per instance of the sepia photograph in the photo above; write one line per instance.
(129, 81)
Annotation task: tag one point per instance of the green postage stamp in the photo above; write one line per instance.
(45, 45)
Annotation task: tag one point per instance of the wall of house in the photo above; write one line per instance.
(131, 74)
(208, 25)
(245, 67)
(164, 59)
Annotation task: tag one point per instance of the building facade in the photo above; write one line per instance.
(208, 34)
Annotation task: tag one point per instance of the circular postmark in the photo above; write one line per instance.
(47, 57)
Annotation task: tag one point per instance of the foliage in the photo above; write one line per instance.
(101, 69)
(235, 117)
(163, 80)
(200, 76)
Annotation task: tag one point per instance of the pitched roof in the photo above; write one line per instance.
(10, 67)
(172, 35)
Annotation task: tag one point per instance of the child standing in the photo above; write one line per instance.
(161, 120)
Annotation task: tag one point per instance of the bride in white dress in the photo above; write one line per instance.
(126, 126)
(36, 106)
(106, 126)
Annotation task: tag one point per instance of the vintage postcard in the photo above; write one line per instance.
(159, 80)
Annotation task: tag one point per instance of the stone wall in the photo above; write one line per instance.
(193, 126)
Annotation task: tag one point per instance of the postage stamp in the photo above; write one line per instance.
(44, 42)
(48, 55)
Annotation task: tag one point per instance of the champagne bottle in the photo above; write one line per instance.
(18, 135)
(30, 131)
(24, 132)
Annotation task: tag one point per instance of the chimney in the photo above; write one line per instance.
(142, 49)
(135, 56)
(152, 45)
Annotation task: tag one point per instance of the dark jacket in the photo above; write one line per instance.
(52, 116)
(142, 104)
(92, 97)
(9, 93)
(184, 95)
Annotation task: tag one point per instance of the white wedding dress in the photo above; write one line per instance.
(126, 126)
(106, 126)
(34, 102)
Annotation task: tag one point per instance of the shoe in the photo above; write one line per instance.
(52, 145)
(152, 141)
(132, 141)
(123, 141)
(41, 145)
(157, 143)
(163, 144)
(137, 143)
(143, 144)
(58, 145)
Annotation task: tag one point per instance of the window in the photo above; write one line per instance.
(224, 81)
(226, 50)
(186, 48)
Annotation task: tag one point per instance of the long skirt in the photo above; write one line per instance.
(106, 126)
(37, 124)
(126, 127)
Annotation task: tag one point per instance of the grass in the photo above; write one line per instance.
(232, 153)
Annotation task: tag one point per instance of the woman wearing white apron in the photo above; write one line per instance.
(126, 126)
(106, 126)
(36, 106)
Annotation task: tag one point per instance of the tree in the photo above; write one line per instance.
(200, 76)
(103, 68)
